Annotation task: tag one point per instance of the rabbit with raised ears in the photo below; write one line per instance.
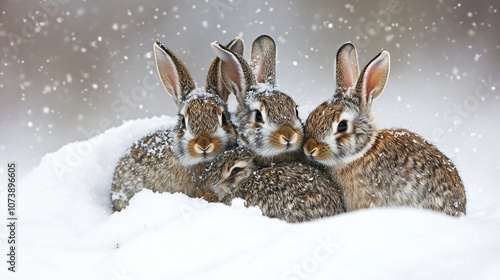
(289, 191)
(268, 121)
(173, 160)
(388, 167)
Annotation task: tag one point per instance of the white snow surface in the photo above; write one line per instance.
(67, 230)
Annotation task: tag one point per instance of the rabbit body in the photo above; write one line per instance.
(377, 168)
(173, 160)
(401, 169)
(150, 163)
(268, 121)
(289, 191)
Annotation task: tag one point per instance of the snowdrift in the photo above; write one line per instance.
(67, 230)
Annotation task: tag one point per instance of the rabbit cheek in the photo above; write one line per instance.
(324, 153)
(344, 142)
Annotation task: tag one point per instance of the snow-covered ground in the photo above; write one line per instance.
(71, 70)
(67, 230)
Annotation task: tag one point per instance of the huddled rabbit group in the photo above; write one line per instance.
(335, 162)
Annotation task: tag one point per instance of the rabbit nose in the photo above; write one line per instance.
(204, 145)
(288, 135)
(311, 147)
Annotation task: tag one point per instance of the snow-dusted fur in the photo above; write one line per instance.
(390, 167)
(173, 160)
(268, 122)
(290, 191)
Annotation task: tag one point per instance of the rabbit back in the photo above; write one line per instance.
(292, 192)
(402, 169)
(151, 164)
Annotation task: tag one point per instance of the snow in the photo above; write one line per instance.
(67, 230)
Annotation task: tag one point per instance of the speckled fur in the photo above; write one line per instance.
(402, 169)
(257, 90)
(167, 161)
(377, 168)
(289, 191)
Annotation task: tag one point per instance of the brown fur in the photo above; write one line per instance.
(289, 191)
(173, 160)
(400, 168)
(151, 164)
(255, 88)
(391, 167)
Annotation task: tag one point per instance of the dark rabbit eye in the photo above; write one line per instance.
(236, 170)
(224, 120)
(342, 127)
(258, 116)
(183, 122)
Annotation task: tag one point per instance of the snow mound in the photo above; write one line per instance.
(67, 230)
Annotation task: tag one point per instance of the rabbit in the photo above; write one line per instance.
(267, 119)
(289, 191)
(387, 167)
(173, 160)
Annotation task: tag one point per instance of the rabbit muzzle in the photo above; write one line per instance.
(286, 138)
(311, 148)
(204, 147)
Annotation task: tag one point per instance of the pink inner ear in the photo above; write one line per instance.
(232, 70)
(169, 74)
(373, 76)
(349, 78)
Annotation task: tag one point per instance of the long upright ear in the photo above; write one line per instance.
(237, 45)
(263, 59)
(173, 73)
(235, 72)
(346, 67)
(372, 80)
(214, 77)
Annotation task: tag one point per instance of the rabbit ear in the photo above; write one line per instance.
(346, 68)
(237, 45)
(235, 72)
(372, 81)
(214, 78)
(263, 59)
(173, 73)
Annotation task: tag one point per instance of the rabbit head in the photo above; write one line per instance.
(268, 122)
(204, 127)
(224, 174)
(342, 130)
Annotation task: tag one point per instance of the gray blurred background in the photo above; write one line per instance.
(71, 69)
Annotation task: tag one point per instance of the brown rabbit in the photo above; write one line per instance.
(173, 160)
(388, 167)
(289, 191)
(268, 121)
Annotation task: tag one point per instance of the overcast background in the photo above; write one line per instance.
(71, 69)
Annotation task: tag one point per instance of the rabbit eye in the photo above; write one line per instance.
(258, 116)
(342, 127)
(224, 120)
(183, 121)
(235, 171)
